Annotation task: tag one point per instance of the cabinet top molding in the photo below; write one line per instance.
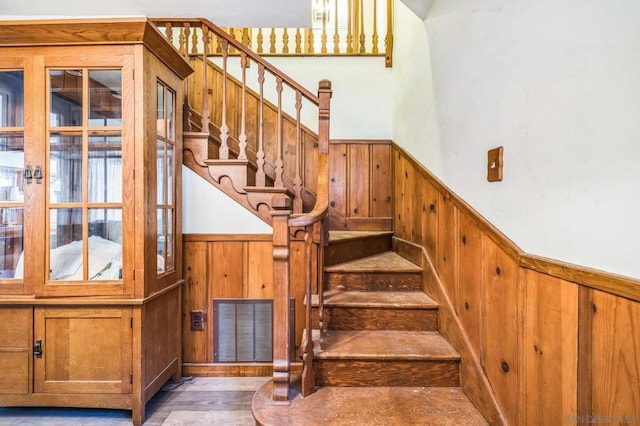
(75, 32)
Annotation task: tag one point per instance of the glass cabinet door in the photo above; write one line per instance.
(12, 174)
(84, 207)
(165, 177)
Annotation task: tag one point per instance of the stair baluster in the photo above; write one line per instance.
(260, 176)
(297, 181)
(205, 98)
(224, 128)
(242, 139)
(279, 162)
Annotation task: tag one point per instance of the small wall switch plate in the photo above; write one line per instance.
(494, 164)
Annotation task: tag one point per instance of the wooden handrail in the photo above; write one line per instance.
(201, 22)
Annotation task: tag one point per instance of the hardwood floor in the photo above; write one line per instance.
(200, 401)
(358, 406)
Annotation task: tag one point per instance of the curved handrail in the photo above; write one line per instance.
(321, 208)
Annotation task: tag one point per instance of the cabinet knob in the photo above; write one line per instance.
(28, 174)
(37, 174)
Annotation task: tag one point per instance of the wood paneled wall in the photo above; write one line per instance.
(360, 185)
(556, 343)
(231, 266)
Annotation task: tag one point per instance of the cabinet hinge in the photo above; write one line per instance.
(130, 378)
(131, 322)
(133, 174)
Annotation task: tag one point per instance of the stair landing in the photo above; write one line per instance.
(357, 406)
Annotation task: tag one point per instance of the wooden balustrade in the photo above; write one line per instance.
(248, 128)
(255, 114)
(339, 28)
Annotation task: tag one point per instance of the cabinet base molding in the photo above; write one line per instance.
(120, 401)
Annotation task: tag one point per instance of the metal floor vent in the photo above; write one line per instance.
(243, 330)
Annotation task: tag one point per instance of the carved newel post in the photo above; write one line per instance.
(281, 212)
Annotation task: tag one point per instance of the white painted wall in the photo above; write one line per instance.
(207, 210)
(362, 92)
(556, 84)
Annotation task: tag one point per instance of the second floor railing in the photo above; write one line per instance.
(338, 28)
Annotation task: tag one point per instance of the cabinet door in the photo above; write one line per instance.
(15, 349)
(88, 176)
(12, 160)
(82, 350)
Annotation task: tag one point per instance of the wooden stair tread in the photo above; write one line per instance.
(382, 344)
(354, 235)
(373, 299)
(355, 406)
(379, 263)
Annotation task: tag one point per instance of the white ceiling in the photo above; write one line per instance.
(226, 13)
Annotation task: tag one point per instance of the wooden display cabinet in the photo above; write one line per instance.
(90, 220)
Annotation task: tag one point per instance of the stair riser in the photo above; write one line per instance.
(347, 250)
(346, 281)
(386, 373)
(343, 318)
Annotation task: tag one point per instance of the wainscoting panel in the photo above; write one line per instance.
(541, 341)
(616, 358)
(224, 267)
(470, 257)
(550, 349)
(360, 190)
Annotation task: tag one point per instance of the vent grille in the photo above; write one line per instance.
(243, 330)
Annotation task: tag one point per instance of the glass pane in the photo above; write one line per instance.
(11, 240)
(105, 98)
(11, 167)
(65, 168)
(105, 244)
(105, 169)
(11, 98)
(170, 264)
(160, 115)
(160, 170)
(161, 241)
(170, 170)
(66, 98)
(65, 232)
(171, 116)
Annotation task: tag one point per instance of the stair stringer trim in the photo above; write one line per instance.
(226, 186)
(473, 380)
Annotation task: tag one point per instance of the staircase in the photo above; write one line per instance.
(379, 357)
(371, 350)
